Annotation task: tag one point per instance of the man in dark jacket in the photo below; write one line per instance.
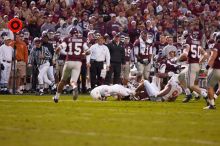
(117, 55)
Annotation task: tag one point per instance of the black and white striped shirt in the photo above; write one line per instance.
(35, 55)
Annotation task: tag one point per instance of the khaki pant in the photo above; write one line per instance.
(21, 69)
(213, 77)
(144, 69)
(125, 71)
(71, 69)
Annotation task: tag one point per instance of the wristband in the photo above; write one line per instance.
(207, 67)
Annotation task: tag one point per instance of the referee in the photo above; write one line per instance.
(99, 53)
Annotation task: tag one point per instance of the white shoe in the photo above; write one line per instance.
(209, 107)
(75, 93)
(19, 92)
(55, 99)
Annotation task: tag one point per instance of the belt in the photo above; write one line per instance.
(6, 61)
(92, 60)
(20, 61)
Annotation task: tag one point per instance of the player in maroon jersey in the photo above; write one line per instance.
(213, 68)
(72, 47)
(166, 66)
(195, 55)
(143, 53)
(126, 69)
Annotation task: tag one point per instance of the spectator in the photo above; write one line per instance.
(48, 24)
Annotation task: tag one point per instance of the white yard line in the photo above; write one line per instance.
(133, 137)
(43, 101)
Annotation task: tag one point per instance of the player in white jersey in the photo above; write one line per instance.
(104, 91)
(170, 92)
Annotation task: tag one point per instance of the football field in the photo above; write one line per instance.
(30, 120)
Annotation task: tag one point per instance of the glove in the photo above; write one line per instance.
(2, 67)
(170, 74)
(207, 67)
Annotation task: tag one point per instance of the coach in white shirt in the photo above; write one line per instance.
(6, 55)
(99, 53)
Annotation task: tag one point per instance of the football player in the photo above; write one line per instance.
(151, 91)
(126, 69)
(213, 68)
(72, 47)
(143, 53)
(104, 91)
(195, 55)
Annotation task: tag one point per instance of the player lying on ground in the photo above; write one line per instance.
(150, 91)
(104, 91)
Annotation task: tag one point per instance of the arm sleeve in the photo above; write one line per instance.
(26, 53)
(1, 57)
(89, 56)
(31, 57)
(107, 56)
(122, 55)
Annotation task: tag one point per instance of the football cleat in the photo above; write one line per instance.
(187, 98)
(55, 99)
(75, 93)
(206, 100)
(209, 107)
(197, 98)
(41, 93)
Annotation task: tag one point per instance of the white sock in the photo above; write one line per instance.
(203, 93)
(57, 95)
(212, 102)
(195, 94)
(187, 91)
(215, 96)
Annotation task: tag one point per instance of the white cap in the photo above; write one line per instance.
(6, 38)
(170, 3)
(33, 3)
(146, 10)
(133, 3)
(148, 21)
(159, 9)
(112, 14)
(133, 22)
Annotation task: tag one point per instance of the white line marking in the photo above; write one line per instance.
(136, 137)
(45, 101)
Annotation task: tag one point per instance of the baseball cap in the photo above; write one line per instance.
(113, 15)
(37, 39)
(33, 3)
(6, 38)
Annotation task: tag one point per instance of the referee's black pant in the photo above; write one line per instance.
(95, 72)
(116, 69)
(82, 80)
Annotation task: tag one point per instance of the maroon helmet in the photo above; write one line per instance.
(73, 31)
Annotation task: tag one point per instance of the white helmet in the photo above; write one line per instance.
(95, 94)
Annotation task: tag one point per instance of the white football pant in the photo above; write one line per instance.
(5, 74)
(50, 74)
(151, 88)
(42, 76)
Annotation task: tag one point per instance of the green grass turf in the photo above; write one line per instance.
(37, 121)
